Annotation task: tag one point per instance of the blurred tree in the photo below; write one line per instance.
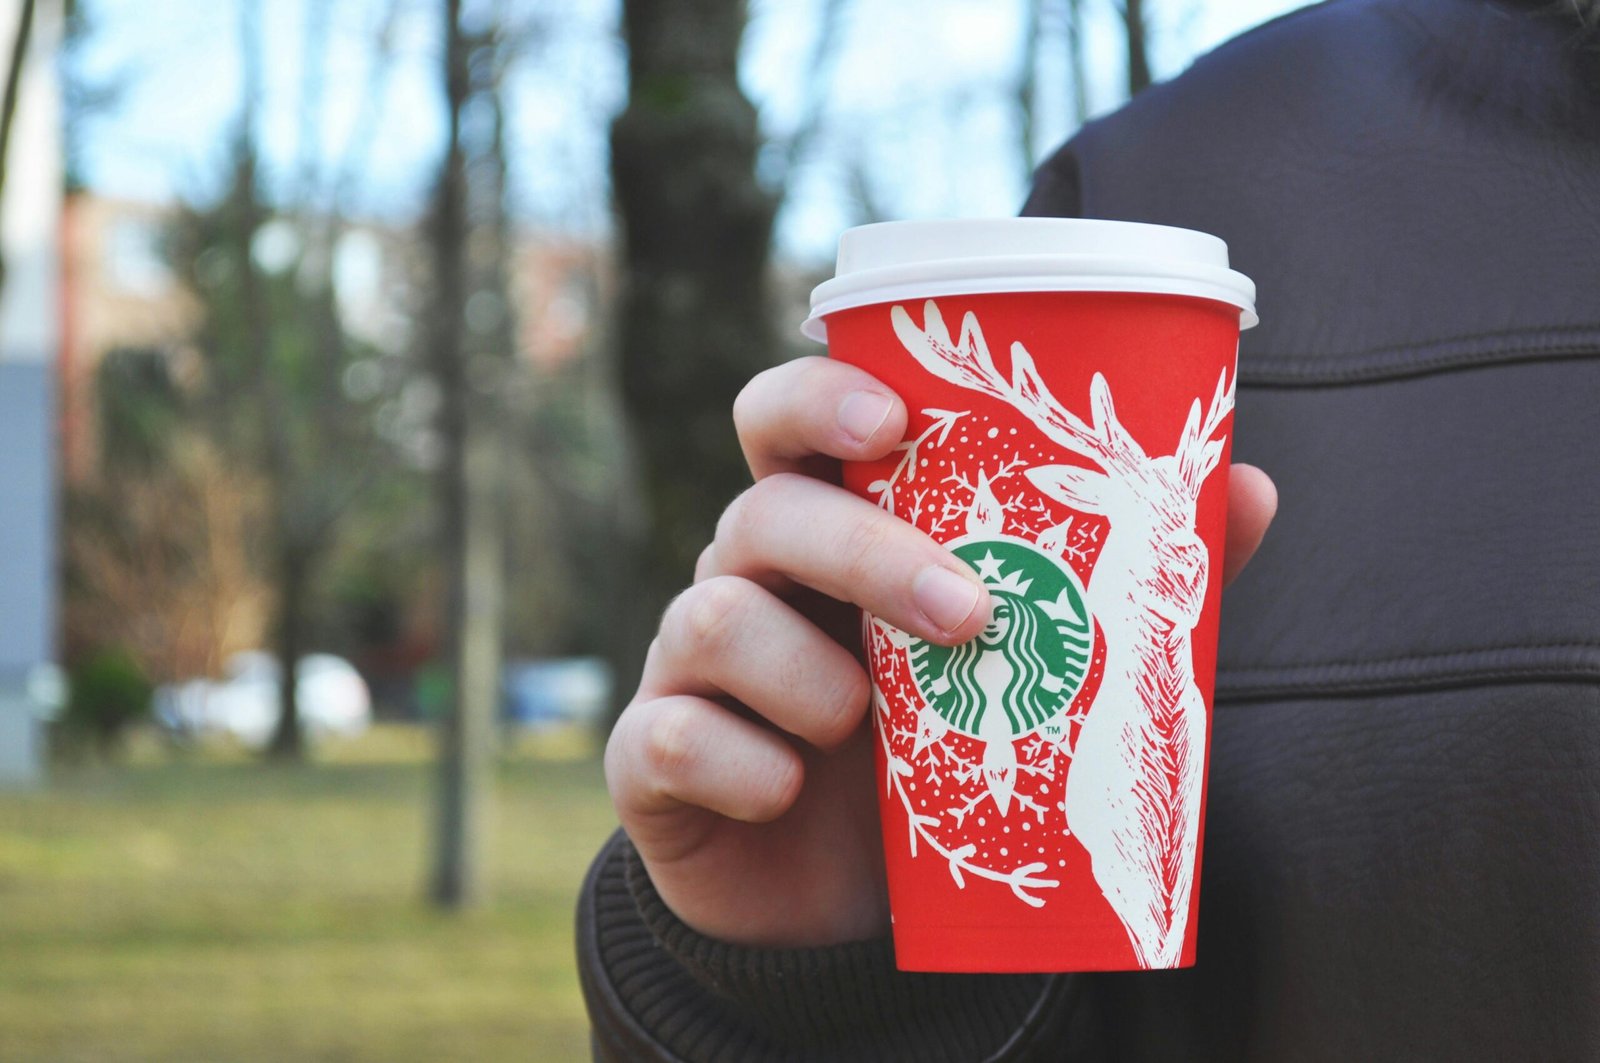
(156, 545)
(1135, 32)
(694, 320)
(470, 344)
(568, 492)
(1047, 24)
(142, 409)
(787, 153)
(176, 542)
(109, 691)
(273, 384)
(18, 55)
(1033, 25)
(1077, 62)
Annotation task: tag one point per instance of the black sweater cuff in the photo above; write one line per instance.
(657, 989)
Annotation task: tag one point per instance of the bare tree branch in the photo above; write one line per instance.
(818, 81)
(1136, 29)
(1028, 82)
(8, 104)
(368, 119)
(1077, 62)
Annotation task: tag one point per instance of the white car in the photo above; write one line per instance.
(244, 703)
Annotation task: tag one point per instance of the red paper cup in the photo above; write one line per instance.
(1071, 386)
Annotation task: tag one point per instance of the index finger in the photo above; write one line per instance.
(793, 413)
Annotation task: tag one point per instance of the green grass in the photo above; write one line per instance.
(221, 910)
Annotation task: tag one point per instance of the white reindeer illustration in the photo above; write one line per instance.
(1133, 794)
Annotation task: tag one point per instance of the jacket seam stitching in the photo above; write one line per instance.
(1410, 658)
(1308, 690)
(1386, 363)
(1462, 337)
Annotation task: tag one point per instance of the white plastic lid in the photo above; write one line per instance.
(898, 260)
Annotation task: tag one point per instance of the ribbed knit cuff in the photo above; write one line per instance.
(703, 999)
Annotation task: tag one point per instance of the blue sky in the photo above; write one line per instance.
(919, 102)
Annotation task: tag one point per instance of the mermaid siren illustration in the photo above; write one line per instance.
(1134, 789)
(1014, 669)
(1024, 666)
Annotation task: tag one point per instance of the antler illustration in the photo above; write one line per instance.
(967, 363)
(1197, 453)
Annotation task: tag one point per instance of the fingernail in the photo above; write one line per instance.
(862, 413)
(944, 597)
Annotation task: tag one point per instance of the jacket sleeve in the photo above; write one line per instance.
(657, 990)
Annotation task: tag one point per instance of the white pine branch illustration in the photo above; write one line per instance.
(968, 363)
(943, 421)
(1163, 780)
(1020, 879)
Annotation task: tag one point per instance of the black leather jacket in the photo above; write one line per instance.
(1403, 834)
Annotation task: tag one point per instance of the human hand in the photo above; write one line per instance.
(742, 769)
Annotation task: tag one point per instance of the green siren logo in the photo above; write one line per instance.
(1026, 666)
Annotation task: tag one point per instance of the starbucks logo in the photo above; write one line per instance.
(1025, 667)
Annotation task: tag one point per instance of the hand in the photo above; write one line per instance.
(742, 769)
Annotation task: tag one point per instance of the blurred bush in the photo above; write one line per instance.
(108, 692)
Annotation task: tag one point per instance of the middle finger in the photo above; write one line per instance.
(727, 636)
(791, 527)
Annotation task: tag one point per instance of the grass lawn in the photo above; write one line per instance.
(223, 910)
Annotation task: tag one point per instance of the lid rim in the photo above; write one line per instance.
(909, 241)
(891, 261)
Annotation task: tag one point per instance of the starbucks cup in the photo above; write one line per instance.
(1070, 387)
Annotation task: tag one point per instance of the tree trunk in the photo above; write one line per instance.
(468, 511)
(1028, 84)
(288, 738)
(1078, 63)
(695, 321)
(247, 218)
(8, 102)
(1138, 54)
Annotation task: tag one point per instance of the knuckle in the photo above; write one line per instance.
(654, 655)
(750, 402)
(736, 522)
(668, 745)
(861, 547)
(845, 705)
(742, 522)
(775, 791)
(809, 377)
(613, 759)
(703, 565)
(621, 751)
(856, 694)
(706, 618)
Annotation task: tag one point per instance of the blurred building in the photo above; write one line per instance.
(122, 292)
(29, 320)
(116, 292)
(560, 284)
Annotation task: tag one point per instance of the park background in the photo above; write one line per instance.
(404, 332)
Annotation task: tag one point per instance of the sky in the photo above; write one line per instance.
(918, 107)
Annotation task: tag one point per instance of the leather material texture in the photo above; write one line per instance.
(1411, 184)
(1388, 877)
(1432, 530)
(1402, 852)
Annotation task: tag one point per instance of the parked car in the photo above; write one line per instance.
(333, 700)
(551, 693)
